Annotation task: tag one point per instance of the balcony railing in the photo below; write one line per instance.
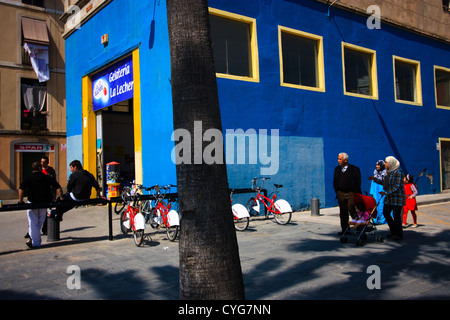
(34, 121)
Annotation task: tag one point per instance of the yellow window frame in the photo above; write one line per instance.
(320, 60)
(435, 88)
(440, 160)
(373, 71)
(418, 81)
(253, 44)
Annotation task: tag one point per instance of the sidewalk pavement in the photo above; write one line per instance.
(424, 199)
(300, 261)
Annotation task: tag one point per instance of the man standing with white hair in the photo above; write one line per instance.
(346, 182)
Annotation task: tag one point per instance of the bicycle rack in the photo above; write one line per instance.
(168, 196)
(250, 190)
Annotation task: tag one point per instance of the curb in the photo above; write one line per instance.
(422, 200)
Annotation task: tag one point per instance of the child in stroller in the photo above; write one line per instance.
(362, 222)
(361, 217)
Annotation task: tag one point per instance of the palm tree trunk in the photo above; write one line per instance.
(209, 255)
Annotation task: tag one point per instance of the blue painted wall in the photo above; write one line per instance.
(313, 126)
(317, 126)
(129, 25)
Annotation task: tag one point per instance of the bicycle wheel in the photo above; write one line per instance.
(146, 209)
(251, 204)
(172, 232)
(241, 224)
(123, 218)
(118, 207)
(282, 217)
(152, 219)
(138, 237)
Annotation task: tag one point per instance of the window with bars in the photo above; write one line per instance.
(442, 87)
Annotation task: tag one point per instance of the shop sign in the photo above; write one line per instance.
(113, 85)
(34, 147)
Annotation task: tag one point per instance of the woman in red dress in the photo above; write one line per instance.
(411, 204)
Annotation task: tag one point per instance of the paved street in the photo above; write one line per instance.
(302, 260)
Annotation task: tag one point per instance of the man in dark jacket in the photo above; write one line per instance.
(40, 190)
(46, 169)
(79, 187)
(346, 182)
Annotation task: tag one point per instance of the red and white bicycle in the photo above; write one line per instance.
(132, 219)
(240, 215)
(281, 209)
(161, 213)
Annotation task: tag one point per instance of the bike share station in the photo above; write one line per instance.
(53, 230)
(111, 138)
(114, 182)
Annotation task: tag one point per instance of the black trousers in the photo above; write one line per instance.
(346, 207)
(395, 224)
(63, 206)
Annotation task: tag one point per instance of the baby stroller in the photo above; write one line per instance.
(369, 226)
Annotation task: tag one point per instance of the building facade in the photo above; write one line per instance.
(32, 91)
(299, 82)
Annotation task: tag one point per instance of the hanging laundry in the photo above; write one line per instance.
(39, 60)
